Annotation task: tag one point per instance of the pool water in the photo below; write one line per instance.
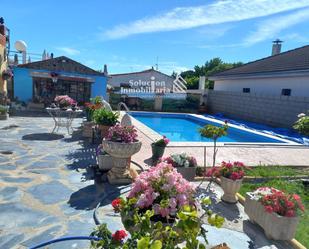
(184, 128)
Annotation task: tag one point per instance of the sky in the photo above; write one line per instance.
(137, 34)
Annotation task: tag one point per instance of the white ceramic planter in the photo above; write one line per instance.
(121, 156)
(275, 226)
(230, 188)
(105, 162)
(187, 172)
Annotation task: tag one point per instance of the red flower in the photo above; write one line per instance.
(116, 204)
(290, 213)
(269, 209)
(119, 235)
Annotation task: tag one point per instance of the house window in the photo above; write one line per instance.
(246, 90)
(286, 92)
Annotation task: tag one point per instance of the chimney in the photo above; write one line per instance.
(105, 69)
(276, 47)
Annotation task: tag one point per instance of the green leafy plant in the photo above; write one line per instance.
(3, 109)
(105, 117)
(302, 124)
(149, 235)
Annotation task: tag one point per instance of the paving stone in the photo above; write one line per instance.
(17, 179)
(8, 241)
(16, 215)
(53, 173)
(50, 192)
(42, 237)
(43, 165)
(8, 167)
(10, 194)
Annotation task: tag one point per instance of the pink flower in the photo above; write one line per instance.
(290, 213)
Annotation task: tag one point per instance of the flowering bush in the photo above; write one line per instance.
(64, 101)
(302, 124)
(163, 190)
(159, 195)
(279, 202)
(229, 170)
(162, 142)
(180, 160)
(122, 134)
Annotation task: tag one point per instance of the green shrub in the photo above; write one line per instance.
(105, 117)
(302, 124)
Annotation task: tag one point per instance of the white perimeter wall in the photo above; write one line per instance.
(272, 86)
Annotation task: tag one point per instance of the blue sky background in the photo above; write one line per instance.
(130, 35)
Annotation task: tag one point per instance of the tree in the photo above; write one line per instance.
(212, 66)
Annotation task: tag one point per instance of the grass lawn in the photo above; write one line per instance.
(302, 233)
(273, 171)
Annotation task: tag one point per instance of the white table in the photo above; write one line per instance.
(63, 118)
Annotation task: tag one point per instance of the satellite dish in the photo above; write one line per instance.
(20, 46)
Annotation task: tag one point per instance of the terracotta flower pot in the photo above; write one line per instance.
(230, 188)
(121, 156)
(275, 226)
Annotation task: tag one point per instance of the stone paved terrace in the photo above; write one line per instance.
(47, 190)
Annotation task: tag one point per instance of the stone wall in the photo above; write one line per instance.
(279, 111)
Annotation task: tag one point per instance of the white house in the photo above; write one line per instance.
(150, 80)
(284, 73)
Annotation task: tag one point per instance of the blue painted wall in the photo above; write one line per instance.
(23, 83)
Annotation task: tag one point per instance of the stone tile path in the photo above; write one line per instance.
(47, 190)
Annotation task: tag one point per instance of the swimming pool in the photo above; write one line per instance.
(184, 128)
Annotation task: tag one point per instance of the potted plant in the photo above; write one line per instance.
(185, 165)
(105, 119)
(104, 160)
(158, 148)
(121, 143)
(64, 101)
(275, 211)
(231, 176)
(94, 104)
(161, 211)
(4, 112)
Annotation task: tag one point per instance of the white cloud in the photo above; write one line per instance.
(68, 50)
(270, 28)
(221, 11)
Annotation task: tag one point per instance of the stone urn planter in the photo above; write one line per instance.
(187, 172)
(275, 226)
(105, 162)
(230, 188)
(121, 156)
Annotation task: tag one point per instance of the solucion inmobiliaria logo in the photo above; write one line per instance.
(155, 86)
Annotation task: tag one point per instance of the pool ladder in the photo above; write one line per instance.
(121, 104)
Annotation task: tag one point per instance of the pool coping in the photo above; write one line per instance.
(153, 135)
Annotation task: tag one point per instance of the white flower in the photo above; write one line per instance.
(301, 115)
